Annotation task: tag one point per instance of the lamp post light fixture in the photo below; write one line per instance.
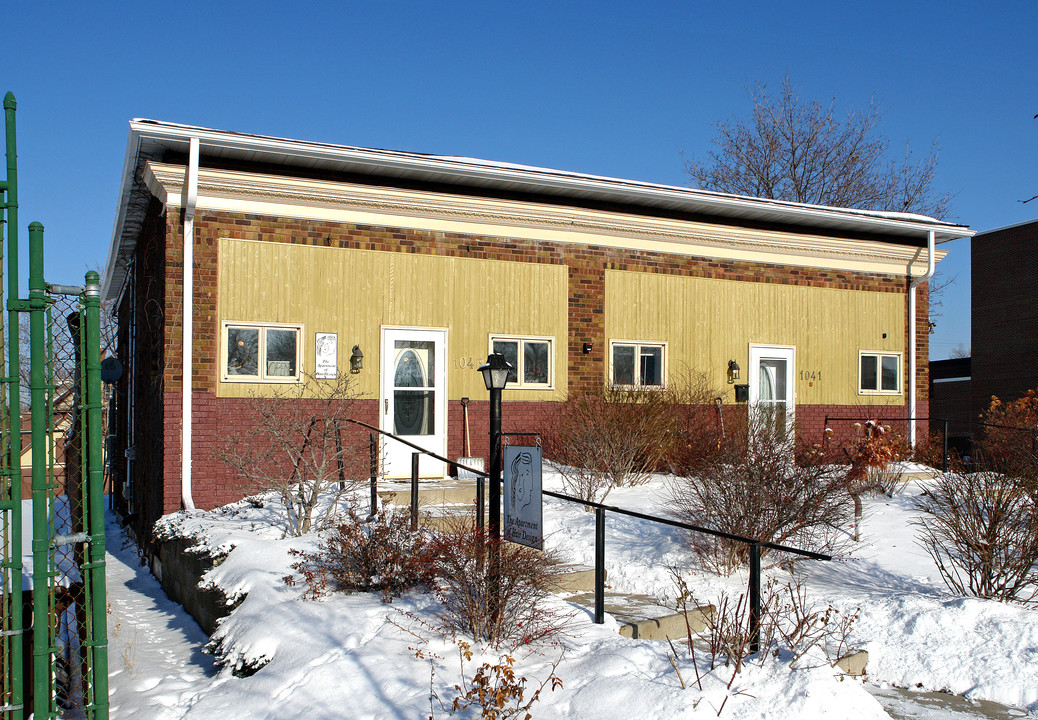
(495, 377)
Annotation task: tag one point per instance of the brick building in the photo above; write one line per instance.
(296, 253)
(1004, 328)
(950, 404)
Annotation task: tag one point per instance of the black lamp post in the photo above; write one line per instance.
(495, 377)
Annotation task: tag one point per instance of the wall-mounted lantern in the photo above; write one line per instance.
(733, 371)
(356, 360)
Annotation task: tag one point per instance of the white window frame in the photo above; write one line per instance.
(261, 376)
(879, 355)
(520, 339)
(638, 345)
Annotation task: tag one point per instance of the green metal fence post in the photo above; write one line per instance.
(95, 495)
(17, 621)
(41, 653)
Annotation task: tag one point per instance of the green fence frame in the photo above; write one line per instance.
(69, 649)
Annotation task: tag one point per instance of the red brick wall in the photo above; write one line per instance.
(586, 266)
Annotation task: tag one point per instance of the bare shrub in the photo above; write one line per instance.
(870, 453)
(492, 590)
(612, 440)
(495, 691)
(1010, 441)
(360, 553)
(761, 494)
(791, 627)
(296, 443)
(981, 529)
(698, 432)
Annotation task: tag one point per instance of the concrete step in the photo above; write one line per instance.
(575, 579)
(430, 492)
(643, 617)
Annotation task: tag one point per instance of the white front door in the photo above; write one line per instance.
(414, 399)
(772, 397)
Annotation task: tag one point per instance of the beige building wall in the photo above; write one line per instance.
(707, 322)
(354, 293)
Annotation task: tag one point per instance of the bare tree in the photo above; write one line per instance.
(296, 442)
(801, 151)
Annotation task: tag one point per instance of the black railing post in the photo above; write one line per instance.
(599, 565)
(944, 459)
(754, 597)
(373, 449)
(338, 455)
(415, 457)
(480, 500)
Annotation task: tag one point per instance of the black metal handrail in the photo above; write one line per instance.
(600, 510)
(945, 457)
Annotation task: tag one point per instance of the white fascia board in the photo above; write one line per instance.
(544, 180)
(125, 186)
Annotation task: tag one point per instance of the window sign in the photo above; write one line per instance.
(523, 520)
(327, 353)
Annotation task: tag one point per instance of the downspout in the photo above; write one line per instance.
(930, 252)
(190, 198)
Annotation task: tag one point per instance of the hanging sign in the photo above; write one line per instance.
(327, 356)
(523, 520)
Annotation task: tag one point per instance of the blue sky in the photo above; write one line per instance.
(607, 88)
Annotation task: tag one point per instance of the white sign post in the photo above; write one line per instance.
(523, 521)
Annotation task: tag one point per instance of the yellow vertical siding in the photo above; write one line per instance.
(356, 292)
(708, 322)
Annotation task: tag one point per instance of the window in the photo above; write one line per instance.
(639, 365)
(531, 358)
(879, 373)
(261, 353)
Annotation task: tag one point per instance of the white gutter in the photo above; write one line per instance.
(190, 198)
(930, 242)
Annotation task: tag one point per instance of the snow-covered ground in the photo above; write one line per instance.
(353, 656)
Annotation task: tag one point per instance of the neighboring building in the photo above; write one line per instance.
(428, 263)
(1004, 330)
(950, 402)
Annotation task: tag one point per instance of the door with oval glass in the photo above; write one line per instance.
(414, 399)
(772, 396)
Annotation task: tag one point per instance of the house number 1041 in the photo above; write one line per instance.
(811, 375)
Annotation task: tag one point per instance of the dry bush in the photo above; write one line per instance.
(1010, 441)
(612, 440)
(492, 590)
(870, 452)
(981, 529)
(698, 428)
(791, 627)
(295, 443)
(495, 691)
(761, 494)
(377, 553)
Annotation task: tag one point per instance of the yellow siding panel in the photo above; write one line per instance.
(354, 293)
(708, 322)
